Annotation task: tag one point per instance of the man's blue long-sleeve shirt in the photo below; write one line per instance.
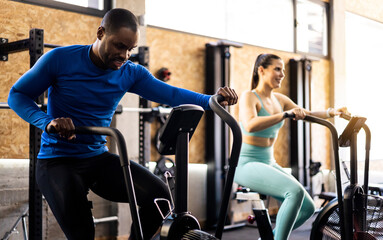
(79, 90)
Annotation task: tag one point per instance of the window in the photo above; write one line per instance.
(247, 21)
(363, 60)
(265, 23)
(90, 7)
(311, 27)
(96, 4)
(203, 17)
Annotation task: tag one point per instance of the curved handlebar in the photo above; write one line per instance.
(233, 160)
(121, 145)
(323, 122)
(229, 120)
(92, 130)
(334, 136)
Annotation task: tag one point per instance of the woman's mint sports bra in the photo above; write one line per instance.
(270, 132)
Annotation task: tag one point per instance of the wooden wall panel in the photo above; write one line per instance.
(60, 27)
(321, 146)
(184, 55)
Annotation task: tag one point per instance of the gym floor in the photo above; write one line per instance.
(251, 233)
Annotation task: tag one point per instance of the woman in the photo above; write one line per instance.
(262, 112)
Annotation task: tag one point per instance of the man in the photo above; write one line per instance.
(85, 85)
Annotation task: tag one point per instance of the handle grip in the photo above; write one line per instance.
(289, 115)
(345, 116)
(51, 129)
(220, 98)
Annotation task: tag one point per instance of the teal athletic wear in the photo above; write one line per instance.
(270, 132)
(258, 170)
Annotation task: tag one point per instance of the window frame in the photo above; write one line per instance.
(327, 9)
(70, 7)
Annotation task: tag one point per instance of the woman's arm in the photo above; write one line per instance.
(291, 107)
(248, 114)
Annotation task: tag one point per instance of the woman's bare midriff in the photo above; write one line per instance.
(258, 141)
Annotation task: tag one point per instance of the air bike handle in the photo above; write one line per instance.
(233, 160)
(112, 132)
(125, 164)
(334, 137)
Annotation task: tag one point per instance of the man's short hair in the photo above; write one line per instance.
(117, 18)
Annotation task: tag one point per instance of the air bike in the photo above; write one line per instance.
(358, 216)
(174, 138)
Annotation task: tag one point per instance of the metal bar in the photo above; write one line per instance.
(36, 50)
(366, 174)
(19, 46)
(306, 126)
(353, 159)
(140, 110)
(300, 152)
(105, 219)
(295, 126)
(156, 110)
(25, 230)
(4, 105)
(142, 57)
(14, 227)
(12, 47)
(182, 161)
(35, 196)
(216, 155)
(48, 45)
(234, 156)
(334, 137)
(36, 45)
(367, 157)
(144, 133)
(7, 48)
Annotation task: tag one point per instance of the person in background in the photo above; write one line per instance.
(261, 113)
(85, 84)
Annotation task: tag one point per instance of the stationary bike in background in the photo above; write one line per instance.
(359, 215)
(261, 216)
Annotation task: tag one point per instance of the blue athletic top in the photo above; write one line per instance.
(87, 94)
(270, 132)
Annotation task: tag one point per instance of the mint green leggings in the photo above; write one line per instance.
(258, 171)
